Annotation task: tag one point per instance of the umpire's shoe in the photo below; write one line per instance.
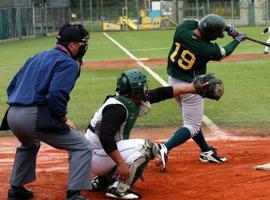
(19, 193)
(211, 156)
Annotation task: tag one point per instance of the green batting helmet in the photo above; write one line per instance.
(212, 27)
(132, 83)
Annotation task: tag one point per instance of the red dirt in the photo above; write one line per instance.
(129, 63)
(186, 178)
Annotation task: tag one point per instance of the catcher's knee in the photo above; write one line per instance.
(135, 169)
(137, 166)
(150, 150)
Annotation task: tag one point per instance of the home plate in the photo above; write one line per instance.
(263, 167)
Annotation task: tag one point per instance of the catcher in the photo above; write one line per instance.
(191, 50)
(117, 160)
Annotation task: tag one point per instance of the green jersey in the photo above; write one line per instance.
(189, 54)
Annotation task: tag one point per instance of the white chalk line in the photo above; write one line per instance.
(210, 124)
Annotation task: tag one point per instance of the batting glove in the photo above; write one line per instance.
(231, 31)
(241, 37)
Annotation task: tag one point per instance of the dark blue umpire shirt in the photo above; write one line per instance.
(40, 81)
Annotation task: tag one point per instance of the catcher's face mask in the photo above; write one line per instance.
(133, 83)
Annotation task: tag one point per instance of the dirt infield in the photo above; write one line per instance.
(186, 178)
(128, 63)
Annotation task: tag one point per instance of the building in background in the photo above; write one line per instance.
(237, 12)
(19, 18)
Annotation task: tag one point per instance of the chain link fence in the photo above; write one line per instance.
(237, 12)
(19, 18)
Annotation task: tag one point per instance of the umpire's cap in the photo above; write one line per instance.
(72, 33)
(212, 27)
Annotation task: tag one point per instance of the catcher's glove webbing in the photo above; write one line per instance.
(214, 90)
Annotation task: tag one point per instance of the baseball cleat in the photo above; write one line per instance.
(211, 156)
(114, 193)
(162, 157)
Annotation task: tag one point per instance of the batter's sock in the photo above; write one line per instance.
(200, 140)
(179, 137)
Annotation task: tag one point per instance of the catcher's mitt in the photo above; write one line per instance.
(214, 90)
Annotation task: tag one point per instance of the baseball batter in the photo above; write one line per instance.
(117, 160)
(266, 30)
(190, 52)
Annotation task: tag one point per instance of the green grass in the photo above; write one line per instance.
(141, 43)
(150, 44)
(14, 53)
(246, 98)
(244, 104)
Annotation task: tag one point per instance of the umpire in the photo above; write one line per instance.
(38, 97)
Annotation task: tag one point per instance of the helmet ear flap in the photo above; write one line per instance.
(212, 26)
(123, 86)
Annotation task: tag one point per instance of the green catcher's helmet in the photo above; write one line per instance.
(132, 83)
(212, 27)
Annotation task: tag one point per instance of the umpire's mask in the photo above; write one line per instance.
(74, 33)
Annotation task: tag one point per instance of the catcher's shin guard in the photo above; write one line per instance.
(100, 183)
(135, 170)
(137, 167)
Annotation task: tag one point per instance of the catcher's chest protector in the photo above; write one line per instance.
(132, 115)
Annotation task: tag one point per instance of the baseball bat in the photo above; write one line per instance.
(258, 41)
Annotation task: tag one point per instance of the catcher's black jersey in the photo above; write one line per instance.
(189, 54)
